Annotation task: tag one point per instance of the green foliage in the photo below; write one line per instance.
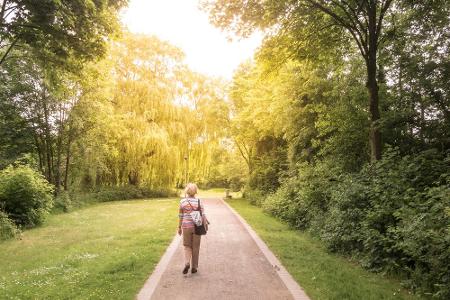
(423, 235)
(269, 162)
(63, 202)
(392, 215)
(129, 192)
(8, 229)
(25, 195)
(302, 200)
(58, 30)
(15, 134)
(255, 197)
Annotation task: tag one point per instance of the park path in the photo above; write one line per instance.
(234, 264)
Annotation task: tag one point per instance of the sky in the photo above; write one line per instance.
(183, 24)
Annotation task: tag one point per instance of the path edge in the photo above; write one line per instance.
(151, 283)
(297, 292)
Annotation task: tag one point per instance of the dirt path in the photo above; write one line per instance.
(233, 265)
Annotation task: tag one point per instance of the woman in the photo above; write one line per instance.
(186, 226)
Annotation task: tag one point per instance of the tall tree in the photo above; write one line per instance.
(362, 20)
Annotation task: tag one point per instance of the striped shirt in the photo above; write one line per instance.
(186, 206)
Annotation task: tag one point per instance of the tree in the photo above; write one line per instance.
(363, 20)
(57, 30)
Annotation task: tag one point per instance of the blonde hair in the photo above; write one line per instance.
(191, 189)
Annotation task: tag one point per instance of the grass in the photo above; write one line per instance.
(217, 192)
(104, 251)
(321, 274)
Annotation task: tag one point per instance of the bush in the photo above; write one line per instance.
(423, 236)
(115, 193)
(255, 197)
(302, 200)
(8, 229)
(342, 227)
(63, 202)
(25, 195)
(392, 215)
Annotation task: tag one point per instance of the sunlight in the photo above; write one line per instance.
(182, 23)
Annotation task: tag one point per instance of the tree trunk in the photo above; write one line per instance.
(47, 138)
(375, 135)
(372, 87)
(58, 166)
(40, 153)
(133, 178)
(68, 153)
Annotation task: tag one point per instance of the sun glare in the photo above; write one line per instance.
(183, 24)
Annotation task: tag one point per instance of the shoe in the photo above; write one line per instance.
(194, 270)
(186, 269)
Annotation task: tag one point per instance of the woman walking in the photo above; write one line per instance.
(186, 226)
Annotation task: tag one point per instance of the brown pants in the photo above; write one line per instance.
(191, 243)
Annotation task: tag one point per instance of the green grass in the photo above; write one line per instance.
(217, 192)
(104, 251)
(321, 274)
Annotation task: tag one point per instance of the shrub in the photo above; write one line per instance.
(392, 215)
(255, 197)
(286, 204)
(63, 202)
(342, 228)
(115, 193)
(25, 195)
(7, 227)
(302, 200)
(423, 236)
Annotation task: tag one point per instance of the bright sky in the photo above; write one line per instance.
(180, 22)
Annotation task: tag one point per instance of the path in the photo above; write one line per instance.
(234, 264)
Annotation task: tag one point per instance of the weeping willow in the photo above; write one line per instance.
(153, 139)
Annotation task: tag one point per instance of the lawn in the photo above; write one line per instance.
(217, 192)
(321, 274)
(104, 251)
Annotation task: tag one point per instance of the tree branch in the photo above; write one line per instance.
(331, 14)
(8, 50)
(356, 13)
(2, 12)
(383, 11)
(362, 44)
(246, 158)
(355, 21)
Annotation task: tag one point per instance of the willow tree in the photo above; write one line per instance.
(204, 119)
(363, 21)
(144, 74)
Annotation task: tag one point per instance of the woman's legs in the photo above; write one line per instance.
(195, 250)
(188, 236)
(191, 243)
(187, 255)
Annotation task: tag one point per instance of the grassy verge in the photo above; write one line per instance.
(321, 274)
(217, 192)
(104, 251)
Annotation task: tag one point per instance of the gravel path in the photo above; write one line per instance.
(233, 264)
